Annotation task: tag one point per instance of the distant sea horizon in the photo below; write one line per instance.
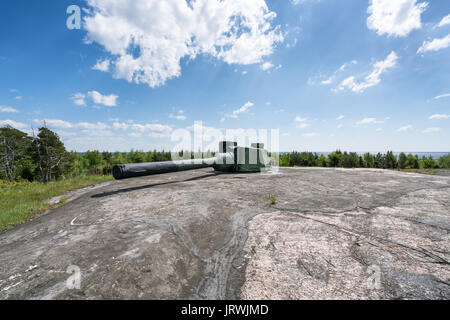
(435, 155)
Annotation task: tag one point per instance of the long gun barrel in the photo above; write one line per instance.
(230, 158)
(125, 171)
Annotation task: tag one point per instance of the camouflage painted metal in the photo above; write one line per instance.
(230, 158)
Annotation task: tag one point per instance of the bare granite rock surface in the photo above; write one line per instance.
(333, 234)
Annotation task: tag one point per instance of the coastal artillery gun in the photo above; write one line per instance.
(230, 158)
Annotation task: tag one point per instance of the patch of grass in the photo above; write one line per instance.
(21, 201)
(273, 200)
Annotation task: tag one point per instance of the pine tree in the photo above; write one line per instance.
(50, 155)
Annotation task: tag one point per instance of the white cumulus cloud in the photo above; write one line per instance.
(179, 116)
(55, 123)
(333, 77)
(6, 109)
(439, 116)
(102, 65)
(405, 128)
(435, 44)
(92, 126)
(154, 130)
(395, 17)
(120, 126)
(62, 124)
(244, 109)
(430, 130)
(14, 124)
(300, 119)
(148, 38)
(267, 66)
(302, 122)
(99, 133)
(78, 99)
(445, 21)
(373, 79)
(303, 125)
(369, 121)
(445, 95)
(106, 100)
(330, 80)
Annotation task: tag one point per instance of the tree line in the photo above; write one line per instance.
(43, 157)
(341, 159)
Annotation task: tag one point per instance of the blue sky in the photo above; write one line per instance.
(349, 74)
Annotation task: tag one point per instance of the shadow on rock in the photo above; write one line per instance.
(111, 193)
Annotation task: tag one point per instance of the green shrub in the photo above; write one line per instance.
(444, 162)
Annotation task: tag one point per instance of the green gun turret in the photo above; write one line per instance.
(230, 158)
